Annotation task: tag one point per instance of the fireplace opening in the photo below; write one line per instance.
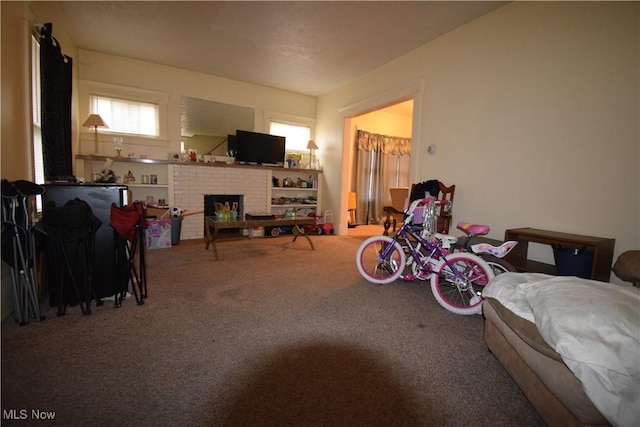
(214, 202)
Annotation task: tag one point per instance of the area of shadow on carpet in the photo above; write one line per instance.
(273, 333)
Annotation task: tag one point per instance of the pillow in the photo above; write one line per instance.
(627, 267)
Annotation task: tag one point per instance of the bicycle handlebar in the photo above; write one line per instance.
(425, 201)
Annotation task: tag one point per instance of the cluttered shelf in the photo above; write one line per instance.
(99, 158)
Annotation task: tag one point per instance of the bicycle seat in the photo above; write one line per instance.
(473, 229)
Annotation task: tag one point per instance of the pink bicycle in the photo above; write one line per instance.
(457, 279)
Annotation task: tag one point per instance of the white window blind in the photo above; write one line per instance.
(127, 116)
(36, 118)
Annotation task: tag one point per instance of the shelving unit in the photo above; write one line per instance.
(303, 199)
(92, 164)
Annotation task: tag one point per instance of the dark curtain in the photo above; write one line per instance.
(55, 74)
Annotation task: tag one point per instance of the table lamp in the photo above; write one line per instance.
(311, 145)
(95, 121)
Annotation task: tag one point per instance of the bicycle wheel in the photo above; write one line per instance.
(461, 295)
(498, 265)
(375, 270)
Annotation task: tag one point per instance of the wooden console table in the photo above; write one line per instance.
(211, 224)
(601, 248)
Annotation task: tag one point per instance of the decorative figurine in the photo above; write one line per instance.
(129, 178)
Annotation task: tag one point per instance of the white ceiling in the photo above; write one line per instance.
(302, 46)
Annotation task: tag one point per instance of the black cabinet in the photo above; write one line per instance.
(99, 197)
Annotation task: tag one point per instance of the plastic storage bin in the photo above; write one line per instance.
(573, 262)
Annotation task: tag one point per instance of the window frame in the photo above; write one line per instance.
(97, 99)
(36, 151)
(87, 89)
(288, 119)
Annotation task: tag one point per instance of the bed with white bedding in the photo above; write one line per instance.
(572, 345)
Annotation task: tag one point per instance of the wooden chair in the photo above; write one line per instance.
(397, 208)
(399, 199)
(444, 216)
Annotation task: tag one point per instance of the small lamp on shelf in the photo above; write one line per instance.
(311, 145)
(94, 121)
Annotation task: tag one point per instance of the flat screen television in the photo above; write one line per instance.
(259, 148)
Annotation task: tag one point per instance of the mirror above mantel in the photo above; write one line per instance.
(206, 124)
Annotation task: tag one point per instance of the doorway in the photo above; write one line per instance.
(371, 182)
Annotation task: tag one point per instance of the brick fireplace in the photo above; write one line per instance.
(191, 183)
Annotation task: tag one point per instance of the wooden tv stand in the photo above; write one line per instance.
(602, 250)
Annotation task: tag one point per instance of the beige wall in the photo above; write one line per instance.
(124, 72)
(383, 123)
(15, 91)
(535, 111)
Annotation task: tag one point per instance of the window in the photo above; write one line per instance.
(36, 118)
(127, 116)
(297, 136)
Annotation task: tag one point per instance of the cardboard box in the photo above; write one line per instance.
(158, 233)
(159, 213)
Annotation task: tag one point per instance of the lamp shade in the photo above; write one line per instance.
(94, 121)
(311, 145)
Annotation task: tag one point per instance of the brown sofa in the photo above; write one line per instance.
(551, 387)
(540, 372)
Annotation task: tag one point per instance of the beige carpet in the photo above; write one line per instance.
(272, 334)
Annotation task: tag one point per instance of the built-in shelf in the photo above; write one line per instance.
(88, 165)
(147, 185)
(99, 158)
(294, 189)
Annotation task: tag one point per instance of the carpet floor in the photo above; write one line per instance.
(272, 334)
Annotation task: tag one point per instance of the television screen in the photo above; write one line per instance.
(259, 148)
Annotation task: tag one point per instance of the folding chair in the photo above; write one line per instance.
(72, 228)
(18, 247)
(129, 224)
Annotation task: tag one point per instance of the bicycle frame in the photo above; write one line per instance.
(430, 243)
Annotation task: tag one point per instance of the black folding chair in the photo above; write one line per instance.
(72, 228)
(129, 224)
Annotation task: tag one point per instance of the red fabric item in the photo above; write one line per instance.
(125, 219)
